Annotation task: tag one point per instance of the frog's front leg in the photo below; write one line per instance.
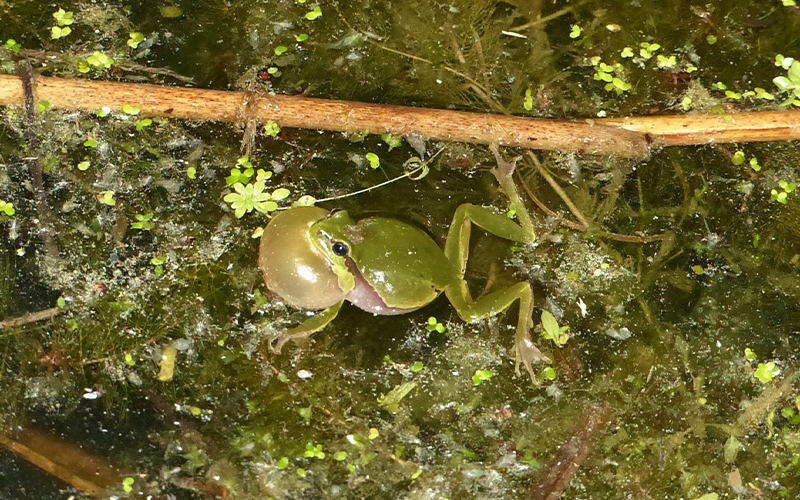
(457, 252)
(304, 330)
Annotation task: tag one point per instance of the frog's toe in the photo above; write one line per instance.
(525, 353)
(276, 343)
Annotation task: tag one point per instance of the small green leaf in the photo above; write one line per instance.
(61, 302)
(527, 102)
(626, 52)
(271, 128)
(129, 359)
(144, 122)
(391, 401)
(665, 62)
(417, 367)
(393, 141)
(127, 484)
(340, 456)
(43, 105)
(698, 270)
(551, 329)
(314, 14)
(766, 372)
(84, 165)
(738, 158)
(711, 39)
(780, 197)
(481, 376)
(13, 45)
(305, 201)
(191, 173)
(104, 111)
(99, 60)
(282, 463)
(373, 160)
(280, 49)
(143, 222)
(130, 109)
(57, 32)
(7, 207)
(373, 434)
(302, 37)
(107, 197)
(434, 325)
(306, 413)
(135, 39)
(575, 31)
(63, 18)
(549, 373)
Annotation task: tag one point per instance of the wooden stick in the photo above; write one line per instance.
(67, 461)
(344, 116)
(682, 130)
(626, 137)
(31, 318)
(571, 455)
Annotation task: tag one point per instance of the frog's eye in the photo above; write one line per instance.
(340, 248)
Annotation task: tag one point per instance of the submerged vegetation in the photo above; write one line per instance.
(667, 291)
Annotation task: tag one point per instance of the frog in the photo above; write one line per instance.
(317, 259)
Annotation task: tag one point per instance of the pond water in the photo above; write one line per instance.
(676, 275)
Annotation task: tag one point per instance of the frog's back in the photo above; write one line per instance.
(402, 262)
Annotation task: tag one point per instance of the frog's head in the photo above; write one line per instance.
(296, 265)
(333, 236)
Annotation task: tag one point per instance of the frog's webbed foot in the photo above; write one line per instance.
(526, 353)
(504, 169)
(276, 343)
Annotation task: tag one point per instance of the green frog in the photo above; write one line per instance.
(317, 259)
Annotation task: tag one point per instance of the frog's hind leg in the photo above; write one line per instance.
(525, 352)
(457, 252)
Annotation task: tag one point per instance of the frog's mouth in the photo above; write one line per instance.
(364, 296)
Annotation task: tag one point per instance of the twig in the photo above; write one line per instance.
(560, 192)
(345, 116)
(541, 20)
(68, 462)
(572, 454)
(627, 238)
(25, 72)
(31, 318)
(682, 130)
(50, 56)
